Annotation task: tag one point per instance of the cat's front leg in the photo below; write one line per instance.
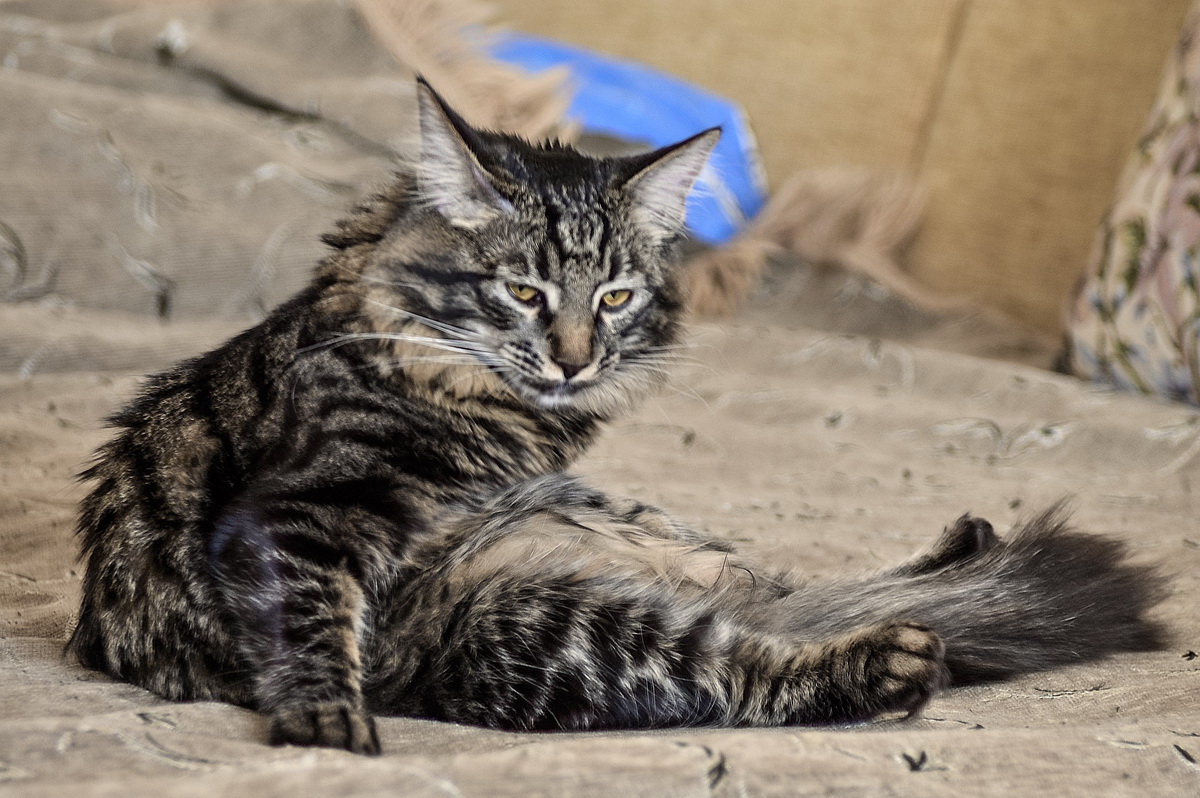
(297, 606)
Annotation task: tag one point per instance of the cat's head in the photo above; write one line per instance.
(535, 267)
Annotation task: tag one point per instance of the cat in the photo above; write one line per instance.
(359, 506)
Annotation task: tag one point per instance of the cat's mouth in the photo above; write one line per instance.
(556, 394)
(552, 395)
(603, 391)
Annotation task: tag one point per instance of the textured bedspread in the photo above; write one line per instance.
(833, 452)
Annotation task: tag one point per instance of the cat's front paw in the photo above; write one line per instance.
(328, 724)
(899, 667)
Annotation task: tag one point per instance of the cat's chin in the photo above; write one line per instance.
(559, 396)
(556, 400)
(590, 398)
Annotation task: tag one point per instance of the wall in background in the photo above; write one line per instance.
(1018, 115)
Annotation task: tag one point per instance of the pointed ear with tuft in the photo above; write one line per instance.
(662, 181)
(449, 176)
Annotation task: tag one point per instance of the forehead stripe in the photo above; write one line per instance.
(604, 249)
(442, 277)
(553, 220)
(543, 262)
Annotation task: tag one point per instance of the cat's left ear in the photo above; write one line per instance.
(450, 176)
(662, 180)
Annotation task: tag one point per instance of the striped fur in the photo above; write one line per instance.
(358, 506)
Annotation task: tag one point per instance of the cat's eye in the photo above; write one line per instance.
(615, 299)
(525, 293)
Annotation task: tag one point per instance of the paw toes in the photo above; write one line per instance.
(917, 640)
(328, 724)
(908, 666)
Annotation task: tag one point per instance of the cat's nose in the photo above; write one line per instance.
(571, 346)
(570, 368)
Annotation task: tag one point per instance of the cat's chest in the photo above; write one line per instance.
(441, 450)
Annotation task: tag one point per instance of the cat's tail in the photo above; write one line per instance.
(1046, 595)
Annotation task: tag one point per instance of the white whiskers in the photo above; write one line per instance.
(443, 344)
(460, 333)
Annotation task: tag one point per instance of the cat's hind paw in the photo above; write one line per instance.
(968, 538)
(327, 724)
(901, 666)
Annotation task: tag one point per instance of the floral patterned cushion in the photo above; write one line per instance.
(1135, 320)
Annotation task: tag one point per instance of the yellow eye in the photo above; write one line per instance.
(615, 299)
(525, 293)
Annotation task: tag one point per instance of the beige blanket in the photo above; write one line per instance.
(831, 451)
(846, 448)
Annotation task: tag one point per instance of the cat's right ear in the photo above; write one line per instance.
(449, 175)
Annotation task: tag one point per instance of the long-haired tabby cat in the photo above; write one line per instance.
(359, 505)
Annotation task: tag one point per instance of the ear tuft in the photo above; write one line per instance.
(449, 175)
(663, 180)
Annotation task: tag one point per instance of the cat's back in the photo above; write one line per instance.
(191, 432)
(183, 448)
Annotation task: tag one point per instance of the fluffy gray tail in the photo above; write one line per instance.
(1047, 595)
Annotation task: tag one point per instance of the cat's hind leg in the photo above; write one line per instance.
(964, 540)
(572, 631)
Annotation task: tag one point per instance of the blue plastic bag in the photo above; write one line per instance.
(634, 102)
